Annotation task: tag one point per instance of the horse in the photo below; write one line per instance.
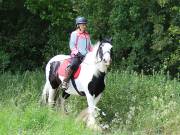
(89, 83)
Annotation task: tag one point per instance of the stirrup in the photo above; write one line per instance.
(64, 85)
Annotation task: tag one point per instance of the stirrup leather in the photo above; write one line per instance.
(65, 85)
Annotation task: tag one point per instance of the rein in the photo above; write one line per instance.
(99, 51)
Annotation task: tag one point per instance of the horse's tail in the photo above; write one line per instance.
(44, 96)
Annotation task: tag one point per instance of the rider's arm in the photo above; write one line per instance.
(72, 43)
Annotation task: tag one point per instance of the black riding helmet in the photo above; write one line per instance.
(81, 20)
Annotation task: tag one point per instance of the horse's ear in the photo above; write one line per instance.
(110, 39)
(100, 38)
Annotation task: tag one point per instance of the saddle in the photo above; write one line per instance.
(62, 68)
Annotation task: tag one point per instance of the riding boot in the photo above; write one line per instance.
(67, 77)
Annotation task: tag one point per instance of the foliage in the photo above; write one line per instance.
(4, 60)
(28, 41)
(23, 37)
(97, 13)
(38, 121)
(56, 12)
(133, 104)
(142, 33)
(145, 33)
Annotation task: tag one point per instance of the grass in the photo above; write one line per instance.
(38, 120)
(133, 103)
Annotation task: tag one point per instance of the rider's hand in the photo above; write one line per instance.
(74, 51)
(79, 55)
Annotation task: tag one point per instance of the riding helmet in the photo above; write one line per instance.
(81, 20)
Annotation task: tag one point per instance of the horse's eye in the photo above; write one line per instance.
(102, 44)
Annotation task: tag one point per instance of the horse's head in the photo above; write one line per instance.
(104, 51)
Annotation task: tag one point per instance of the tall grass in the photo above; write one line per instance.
(133, 104)
(143, 104)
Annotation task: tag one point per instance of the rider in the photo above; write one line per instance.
(80, 45)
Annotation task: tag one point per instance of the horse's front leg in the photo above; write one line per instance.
(91, 121)
(84, 113)
(96, 100)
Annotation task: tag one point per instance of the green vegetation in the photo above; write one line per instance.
(145, 38)
(133, 104)
(145, 32)
(37, 121)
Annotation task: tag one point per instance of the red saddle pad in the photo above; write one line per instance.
(63, 66)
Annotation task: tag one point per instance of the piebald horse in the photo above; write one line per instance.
(90, 82)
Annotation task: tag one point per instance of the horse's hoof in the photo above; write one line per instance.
(95, 127)
(65, 113)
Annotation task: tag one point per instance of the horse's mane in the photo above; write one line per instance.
(91, 56)
(95, 47)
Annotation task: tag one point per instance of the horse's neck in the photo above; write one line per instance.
(89, 59)
(91, 56)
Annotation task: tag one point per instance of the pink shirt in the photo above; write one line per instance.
(80, 42)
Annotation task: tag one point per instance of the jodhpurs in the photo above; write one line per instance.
(75, 62)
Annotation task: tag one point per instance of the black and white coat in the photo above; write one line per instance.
(90, 81)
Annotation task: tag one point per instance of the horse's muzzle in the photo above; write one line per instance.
(107, 62)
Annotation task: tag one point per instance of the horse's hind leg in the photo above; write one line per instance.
(62, 102)
(49, 95)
